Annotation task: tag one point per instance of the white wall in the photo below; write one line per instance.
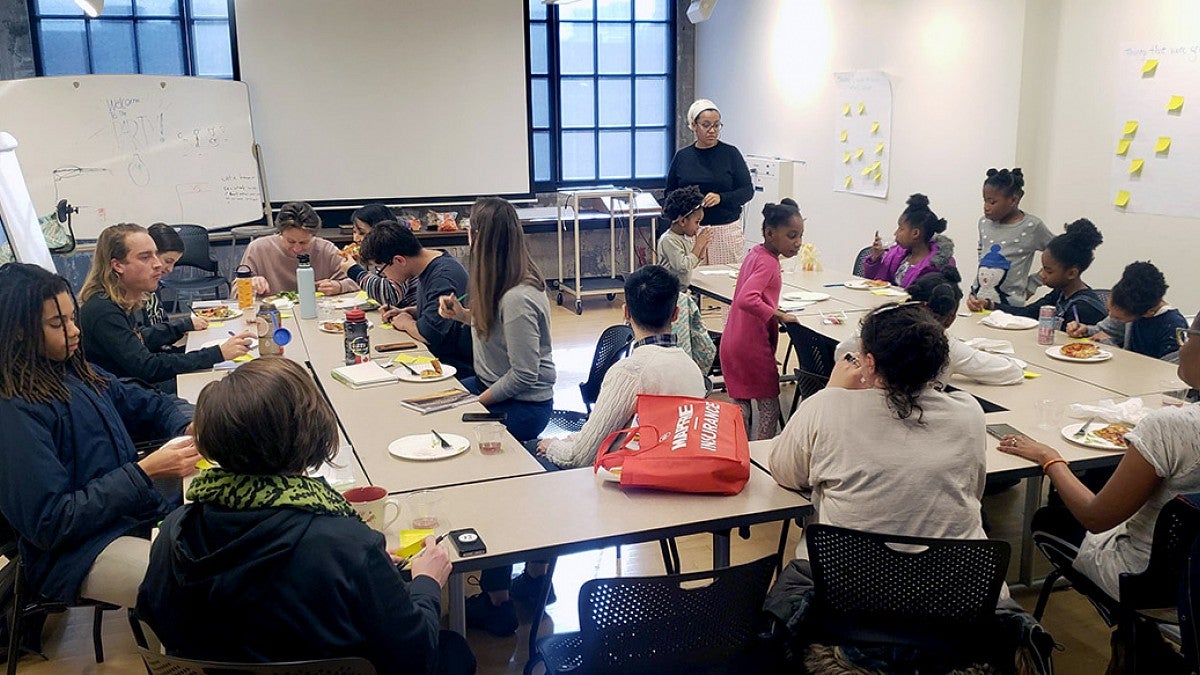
(976, 84)
(1075, 97)
(769, 66)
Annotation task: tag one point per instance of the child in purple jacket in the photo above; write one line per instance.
(920, 247)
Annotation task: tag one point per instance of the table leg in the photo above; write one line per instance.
(1033, 500)
(458, 606)
(720, 549)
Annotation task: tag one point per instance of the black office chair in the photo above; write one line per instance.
(937, 596)
(688, 623)
(24, 606)
(161, 664)
(1156, 588)
(1189, 609)
(613, 345)
(857, 269)
(815, 355)
(196, 254)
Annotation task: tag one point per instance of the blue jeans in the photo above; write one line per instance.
(526, 419)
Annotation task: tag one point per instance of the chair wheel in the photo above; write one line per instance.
(610, 296)
(560, 298)
(579, 307)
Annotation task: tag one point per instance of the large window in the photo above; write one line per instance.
(157, 37)
(601, 76)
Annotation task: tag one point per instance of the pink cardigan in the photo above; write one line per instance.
(885, 268)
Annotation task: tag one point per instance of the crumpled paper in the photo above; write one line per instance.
(990, 345)
(1132, 411)
(999, 319)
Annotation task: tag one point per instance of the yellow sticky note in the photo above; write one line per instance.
(319, 294)
(1135, 167)
(846, 109)
(879, 148)
(243, 358)
(1149, 67)
(858, 153)
(876, 165)
(1163, 144)
(361, 295)
(878, 176)
(849, 181)
(1122, 198)
(1130, 128)
(875, 127)
(845, 158)
(1123, 146)
(411, 542)
(1175, 104)
(284, 315)
(1030, 375)
(844, 136)
(867, 171)
(385, 326)
(862, 108)
(216, 324)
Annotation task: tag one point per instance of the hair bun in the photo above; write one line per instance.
(939, 225)
(918, 200)
(952, 274)
(1084, 232)
(768, 209)
(992, 172)
(788, 201)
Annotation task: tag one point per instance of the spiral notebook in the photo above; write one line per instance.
(442, 400)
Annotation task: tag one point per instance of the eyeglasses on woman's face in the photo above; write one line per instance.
(1181, 334)
(707, 126)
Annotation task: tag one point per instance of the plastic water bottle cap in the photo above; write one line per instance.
(282, 336)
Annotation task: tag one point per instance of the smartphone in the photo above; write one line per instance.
(1002, 430)
(467, 542)
(395, 347)
(484, 417)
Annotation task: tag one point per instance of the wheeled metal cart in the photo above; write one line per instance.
(580, 287)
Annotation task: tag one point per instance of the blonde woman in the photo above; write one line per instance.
(720, 172)
(125, 270)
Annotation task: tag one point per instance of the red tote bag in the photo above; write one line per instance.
(681, 444)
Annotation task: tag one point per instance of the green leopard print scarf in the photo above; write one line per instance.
(241, 492)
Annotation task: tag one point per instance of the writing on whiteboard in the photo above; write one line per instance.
(240, 188)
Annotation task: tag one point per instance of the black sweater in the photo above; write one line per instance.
(112, 341)
(718, 169)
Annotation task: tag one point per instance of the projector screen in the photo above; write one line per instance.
(365, 100)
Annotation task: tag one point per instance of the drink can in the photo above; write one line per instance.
(1046, 322)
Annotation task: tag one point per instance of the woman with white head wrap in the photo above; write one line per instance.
(720, 172)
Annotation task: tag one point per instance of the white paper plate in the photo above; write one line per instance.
(424, 447)
(350, 302)
(217, 342)
(862, 285)
(1090, 440)
(1056, 353)
(805, 296)
(403, 374)
(321, 326)
(793, 305)
(234, 313)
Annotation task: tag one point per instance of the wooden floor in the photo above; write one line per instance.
(1069, 618)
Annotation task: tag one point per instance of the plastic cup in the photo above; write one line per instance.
(490, 438)
(423, 506)
(1049, 413)
(327, 310)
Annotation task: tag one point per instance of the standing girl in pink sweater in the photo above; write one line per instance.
(752, 332)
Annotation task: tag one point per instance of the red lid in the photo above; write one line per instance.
(356, 315)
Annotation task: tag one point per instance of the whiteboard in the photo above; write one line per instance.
(382, 99)
(1155, 140)
(136, 148)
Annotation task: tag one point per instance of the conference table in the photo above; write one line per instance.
(1051, 384)
(521, 511)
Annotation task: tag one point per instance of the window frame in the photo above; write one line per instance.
(555, 77)
(187, 27)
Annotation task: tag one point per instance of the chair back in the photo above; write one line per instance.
(858, 261)
(1103, 293)
(915, 591)
(1189, 609)
(195, 248)
(683, 623)
(161, 664)
(613, 344)
(1175, 531)
(815, 353)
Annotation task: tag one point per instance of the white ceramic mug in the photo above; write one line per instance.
(371, 503)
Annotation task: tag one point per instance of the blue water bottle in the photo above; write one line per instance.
(306, 287)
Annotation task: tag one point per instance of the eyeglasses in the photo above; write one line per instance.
(378, 271)
(705, 126)
(1181, 334)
